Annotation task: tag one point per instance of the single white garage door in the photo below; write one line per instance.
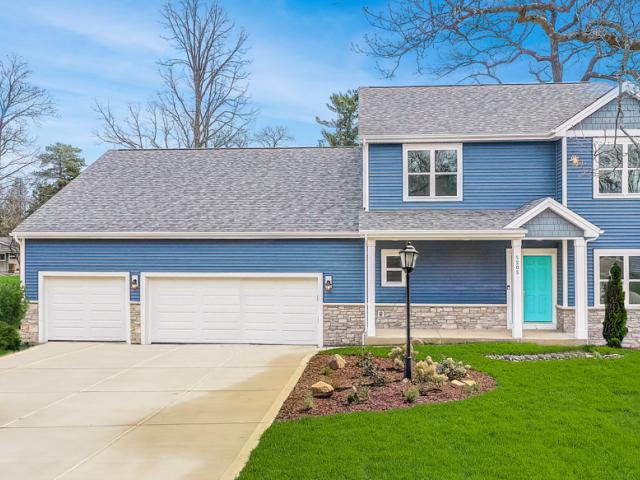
(85, 308)
(232, 310)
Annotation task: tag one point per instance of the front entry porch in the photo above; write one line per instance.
(524, 282)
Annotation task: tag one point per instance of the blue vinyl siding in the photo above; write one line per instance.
(499, 175)
(454, 272)
(342, 258)
(458, 272)
(619, 218)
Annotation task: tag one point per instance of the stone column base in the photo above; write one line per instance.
(29, 325)
(344, 324)
(566, 319)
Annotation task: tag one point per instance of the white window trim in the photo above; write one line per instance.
(625, 254)
(390, 252)
(406, 148)
(624, 142)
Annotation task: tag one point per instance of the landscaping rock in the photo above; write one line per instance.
(552, 356)
(457, 383)
(321, 390)
(337, 362)
(469, 382)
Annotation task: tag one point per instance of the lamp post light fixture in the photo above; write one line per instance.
(408, 257)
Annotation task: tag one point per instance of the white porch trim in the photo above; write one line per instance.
(371, 287)
(590, 230)
(581, 298)
(517, 312)
(552, 252)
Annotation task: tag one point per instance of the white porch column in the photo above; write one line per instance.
(371, 287)
(581, 299)
(516, 289)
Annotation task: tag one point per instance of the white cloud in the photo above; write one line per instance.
(107, 27)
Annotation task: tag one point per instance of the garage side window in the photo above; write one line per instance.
(392, 273)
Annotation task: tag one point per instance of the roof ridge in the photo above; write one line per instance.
(516, 84)
(341, 147)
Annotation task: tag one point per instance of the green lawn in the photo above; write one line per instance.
(570, 419)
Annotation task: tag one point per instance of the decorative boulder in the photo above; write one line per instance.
(321, 390)
(337, 362)
(469, 382)
(457, 383)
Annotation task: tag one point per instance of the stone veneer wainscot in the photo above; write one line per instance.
(444, 316)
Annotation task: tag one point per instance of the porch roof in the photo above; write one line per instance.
(508, 223)
(447, 219)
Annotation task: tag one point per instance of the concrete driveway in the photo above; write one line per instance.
(115, 411)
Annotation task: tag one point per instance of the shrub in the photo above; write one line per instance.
(397, 355)
(358, 395)
(411, 394)
(452, 369)
(427, 374)
(614, 327)
(309, 402)
(13, 303)
(327, 371)
(9, 337)
(369, 369)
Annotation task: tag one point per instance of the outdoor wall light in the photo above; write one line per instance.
(135, 282)
(576, 161)
(408, 257)
(328, 283)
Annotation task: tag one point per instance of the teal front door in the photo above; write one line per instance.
(538, 288)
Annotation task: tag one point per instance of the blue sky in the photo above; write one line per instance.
(107, 50)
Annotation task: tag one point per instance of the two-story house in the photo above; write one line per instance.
(518, 197)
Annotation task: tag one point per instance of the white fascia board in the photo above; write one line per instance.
(594, 107)
(591, 230)
(458, 138)
(604, 133)
(186, 235)
(445, 234)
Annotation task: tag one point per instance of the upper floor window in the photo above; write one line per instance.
(617, 169)
(629, 263)
(432, 172)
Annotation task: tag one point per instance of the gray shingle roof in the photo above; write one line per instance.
(227, 190)
(449, 219)
(473, 109)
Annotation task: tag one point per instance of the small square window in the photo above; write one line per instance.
(432, 172)
(392, 273)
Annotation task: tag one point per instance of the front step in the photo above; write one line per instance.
(438, 337)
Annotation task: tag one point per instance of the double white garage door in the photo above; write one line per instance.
(185, 309)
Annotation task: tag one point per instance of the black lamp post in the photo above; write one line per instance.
(408, 257)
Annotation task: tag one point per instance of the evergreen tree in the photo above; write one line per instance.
(614, 327)
(345, 127)
(59, 164)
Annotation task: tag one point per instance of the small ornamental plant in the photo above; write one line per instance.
(614, 327)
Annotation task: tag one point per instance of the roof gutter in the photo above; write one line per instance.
(184, 235)
(446, 234)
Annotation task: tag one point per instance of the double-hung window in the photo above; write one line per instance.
(432, 172)
(629, 262)
(617, 169)
(391, 272)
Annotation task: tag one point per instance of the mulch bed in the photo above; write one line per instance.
(381, 397)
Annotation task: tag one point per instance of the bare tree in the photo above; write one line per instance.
(14, 205)
(272, 137)
(480, 39)
(204, 103)
(22, 105)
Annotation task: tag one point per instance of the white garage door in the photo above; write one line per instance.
(85, 308)
(233, 310)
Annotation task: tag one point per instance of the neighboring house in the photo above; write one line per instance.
(493, 184)
(8, 259)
